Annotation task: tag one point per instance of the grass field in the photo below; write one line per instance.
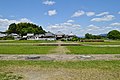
(25, 49)
(57, 70)
(25, 41)
(112, 42)
(106, 65)
(93, 50)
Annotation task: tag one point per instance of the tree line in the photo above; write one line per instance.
(114, 34)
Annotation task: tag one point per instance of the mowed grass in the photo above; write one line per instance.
(111, 42)
(26, 41)
(93, 50)
(108, 65)
(69, 70)
(21, 49)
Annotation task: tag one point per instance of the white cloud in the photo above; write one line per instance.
(78, 13)
(81, 12)
(90, 13)
(115, 24)
(108, 27)
(65, 27)
(79, 30)
(48, 2)
(105, 18)
(95, 30)
(102, 14)
(92, 27)
(52, 12)
(70, 21)
(24, 20)
(66, 24)
(4, 23)
(54, 27)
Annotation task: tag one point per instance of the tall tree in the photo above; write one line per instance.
(114, 34)
(24, 28)
(88, 36)
(12, 28)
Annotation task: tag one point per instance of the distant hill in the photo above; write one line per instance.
(104, 35)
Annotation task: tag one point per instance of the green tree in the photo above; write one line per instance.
(114, 34)
(97, 37)
(12, 28)
(24, 28)
(75, 39)
(88, 36)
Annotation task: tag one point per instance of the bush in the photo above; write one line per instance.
(63, 40)
(8, 38)
(92, 40)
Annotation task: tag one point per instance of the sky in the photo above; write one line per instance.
(76, 16)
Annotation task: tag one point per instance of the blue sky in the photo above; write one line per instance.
(77, 16)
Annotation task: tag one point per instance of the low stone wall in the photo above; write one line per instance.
(92, 40)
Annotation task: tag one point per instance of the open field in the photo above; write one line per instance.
(58, 70)
(22, 49)
(33, 49)
(111, 42)
(93, 50)
(25, 41)
(58, 65)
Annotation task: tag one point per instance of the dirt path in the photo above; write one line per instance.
(60, 50)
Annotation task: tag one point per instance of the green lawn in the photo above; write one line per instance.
(93, 50)
(112, 42)
(108, 65)
(25, 49)
(77, 70)
(25, 41)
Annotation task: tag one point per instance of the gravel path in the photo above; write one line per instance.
(104, 45)
(61, 57)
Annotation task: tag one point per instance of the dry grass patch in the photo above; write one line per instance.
(64, 70)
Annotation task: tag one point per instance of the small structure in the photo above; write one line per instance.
(16, 36)
(71, 35)
(24, 38)
(39, 37)
(30, 36)
(2, 35)
(47, 36)
(59, 35)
